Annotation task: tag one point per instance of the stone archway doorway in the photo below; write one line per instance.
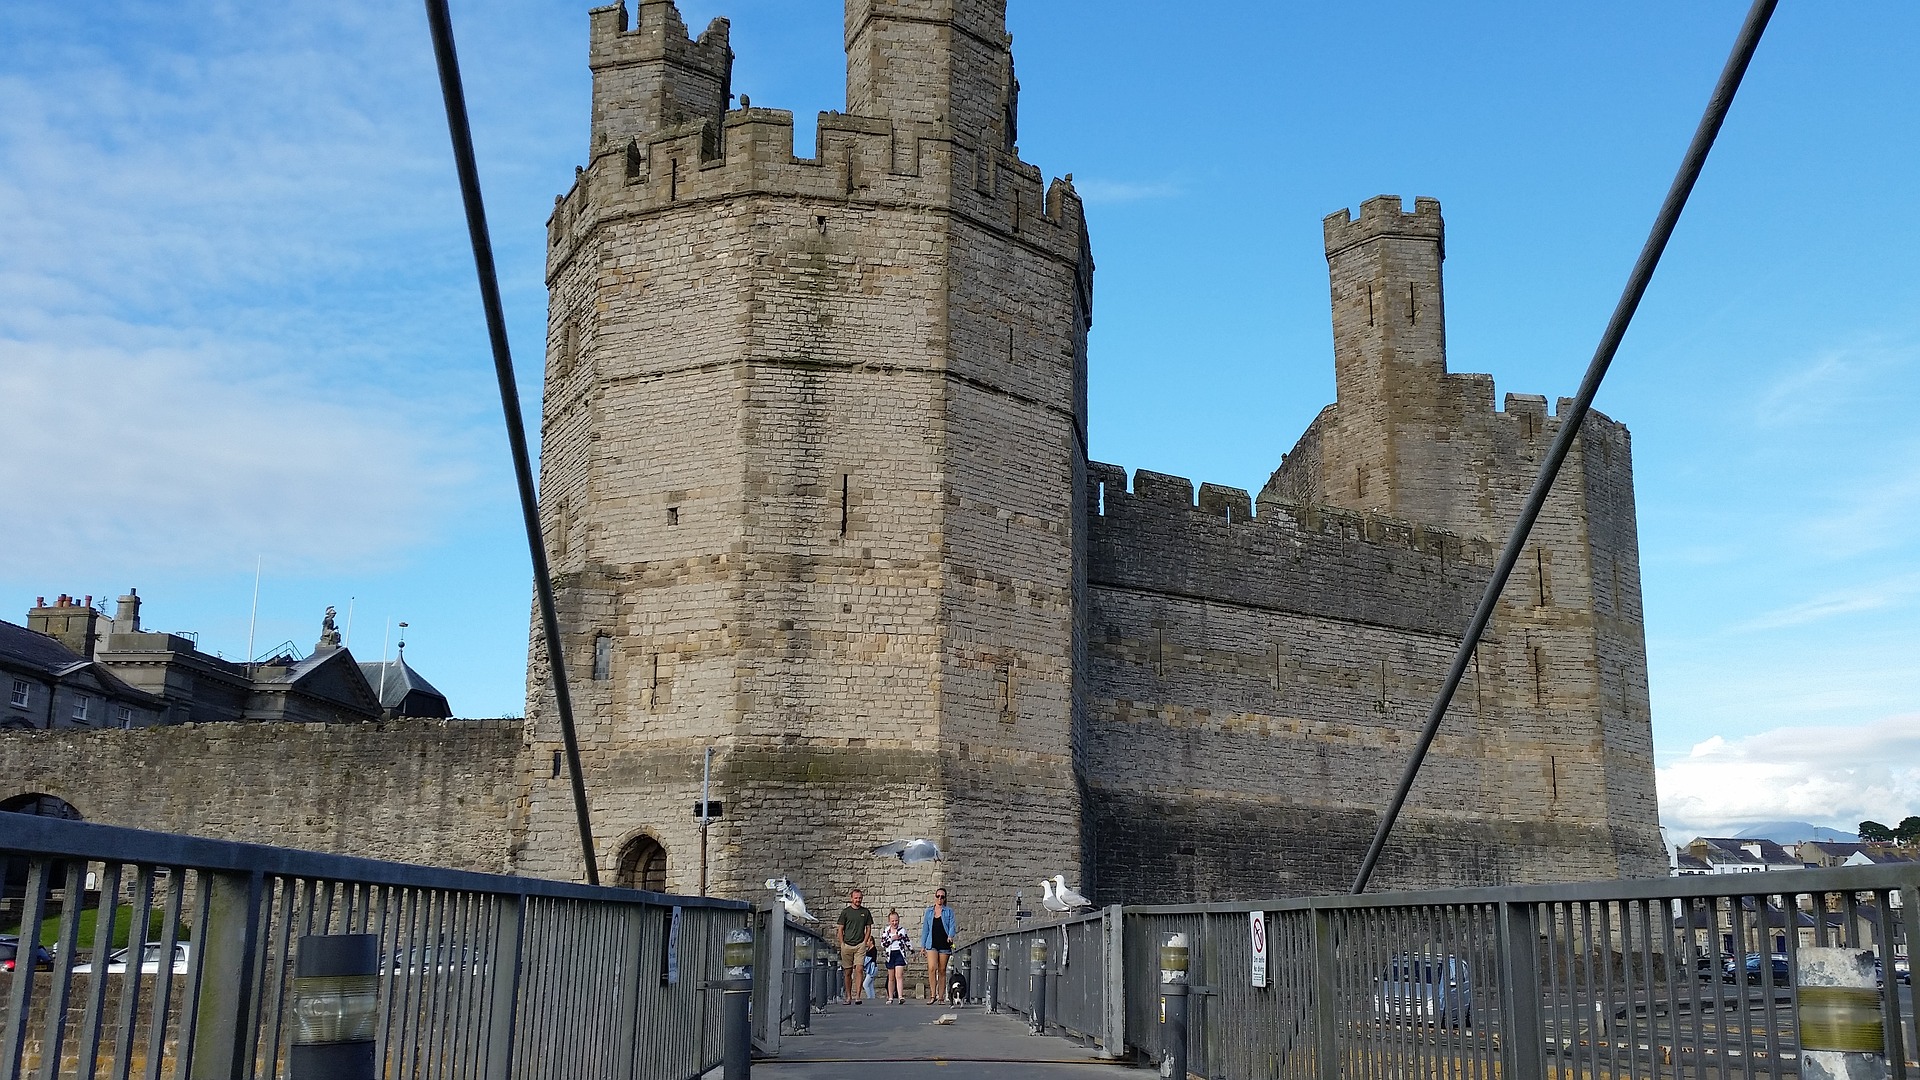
(643, 865)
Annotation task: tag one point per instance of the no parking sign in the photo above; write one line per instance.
(1257, 926)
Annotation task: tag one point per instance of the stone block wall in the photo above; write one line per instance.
(434, 792)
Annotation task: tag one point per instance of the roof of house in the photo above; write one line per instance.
(394, 680)
(1741, 849)
(30, 648)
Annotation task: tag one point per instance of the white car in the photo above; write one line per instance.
(149, 960)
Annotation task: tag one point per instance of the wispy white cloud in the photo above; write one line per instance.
(176, 455)
(1872, 596)
(1833, 776)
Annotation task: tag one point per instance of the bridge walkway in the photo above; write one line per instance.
(900, 1042)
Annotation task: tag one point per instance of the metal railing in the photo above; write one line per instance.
(1677, 977)
(806, 965)
(480, 975)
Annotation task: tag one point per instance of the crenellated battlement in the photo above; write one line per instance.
(858, 161)
(1170, 498)
(658, 34)
(1384, 216)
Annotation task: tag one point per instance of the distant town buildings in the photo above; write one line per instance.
(72, 666)
(1749, 855)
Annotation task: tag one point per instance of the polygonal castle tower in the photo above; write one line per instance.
(814, 449)
(816, 492)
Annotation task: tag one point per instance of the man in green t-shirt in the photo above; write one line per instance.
(856, 937)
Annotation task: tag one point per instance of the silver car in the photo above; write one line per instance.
(1425, 989)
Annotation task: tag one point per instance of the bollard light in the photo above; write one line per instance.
(738, 954)
(1038, 954)
(803, 950)
(336, 999)
(1174, 959)
(736, 995)
(993, 954)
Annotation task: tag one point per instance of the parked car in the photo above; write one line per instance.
(1426, 989)
(1706, 970)
(10, 953)
(1757, 964)
(150, 958)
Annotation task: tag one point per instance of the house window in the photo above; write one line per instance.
(81, 706)
(123, 716)
(22, 693)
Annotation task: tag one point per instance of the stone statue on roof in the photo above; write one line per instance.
(329, 633)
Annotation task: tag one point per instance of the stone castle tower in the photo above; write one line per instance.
(817, 496)
(814, 455)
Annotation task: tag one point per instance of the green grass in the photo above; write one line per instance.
(122, 927)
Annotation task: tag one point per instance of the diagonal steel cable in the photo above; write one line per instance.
(1663, 225)
(441, 24)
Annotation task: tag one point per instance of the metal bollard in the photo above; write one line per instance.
(803, 985)
(336, 997)
(1037, 955)
(1174, 960)
(993, 977)
(736, 997)
(822, 971)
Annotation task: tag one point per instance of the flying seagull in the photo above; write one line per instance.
(790, 897)
(1064, 893)
(915, 850)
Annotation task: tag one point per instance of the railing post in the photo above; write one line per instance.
(631, 967)
(1175, 960)
(802, 985)
(1113, 1034)
(1037, 961)
(1326, 1031)
(1842, 1022)
(736, 1001)
(1523, 1049)
(504, 995)
(224, 1020)
(775, 977)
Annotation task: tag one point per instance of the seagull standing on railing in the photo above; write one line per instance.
(910, 851)
(1051, 900)
(791, 899)
(1070, 900)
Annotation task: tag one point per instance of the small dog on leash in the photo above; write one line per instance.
(956, 988)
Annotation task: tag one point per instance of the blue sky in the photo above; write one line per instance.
(238, 321)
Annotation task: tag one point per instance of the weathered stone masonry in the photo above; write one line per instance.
(815, 468)
(816, 492)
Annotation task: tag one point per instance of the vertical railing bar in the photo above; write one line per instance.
(1589, 985)
(451, 980)
(1629, 988)
(503, 987)
(1909, 911)
(1579, 990)
(434, 1028)
(456, 1038)
(1660, 945)
(137, 925)
(20, 987)
(1551, 1021)
(1883, 932)
(163, 975)
(279, 939)
(1789, 909)
(190, 995)
(1742, 935)
(407, 960)
(72, 897)
(1603, 958)
(1850, 906)
(399, 901)
(105, 918)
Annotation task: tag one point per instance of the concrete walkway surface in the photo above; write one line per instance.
(898, 1042)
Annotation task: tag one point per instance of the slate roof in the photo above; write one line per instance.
(401, 680)
(30, 648)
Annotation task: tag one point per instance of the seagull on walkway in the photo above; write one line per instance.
(909, 851)
(790, 898)
(1051, 900)
(1064, 893)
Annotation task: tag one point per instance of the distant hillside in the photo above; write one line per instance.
(1793, 832)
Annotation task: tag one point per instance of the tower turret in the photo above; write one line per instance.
(650, 77)
(944, 63)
